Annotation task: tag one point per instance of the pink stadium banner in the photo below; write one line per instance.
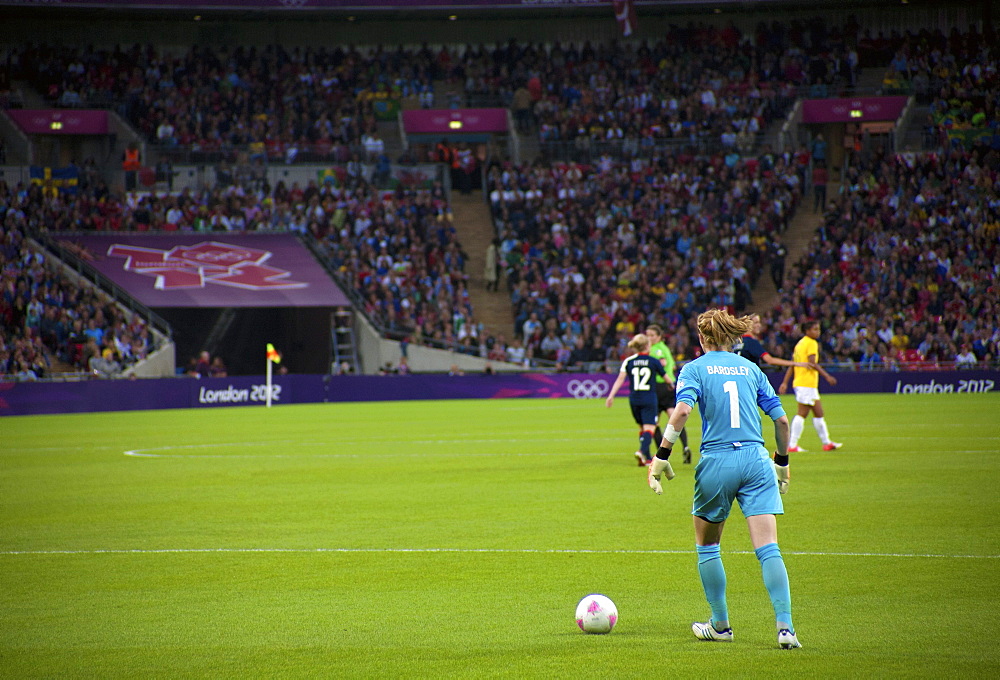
(856, 110)
(214, 269)
(454, 121)
(61, 121)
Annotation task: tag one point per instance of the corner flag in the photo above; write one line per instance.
(272, 358)
(272, 354)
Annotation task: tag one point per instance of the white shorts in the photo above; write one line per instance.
(806, 395)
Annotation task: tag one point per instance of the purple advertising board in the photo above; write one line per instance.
(909, 382)
(28, 398)
(452, 121)
(60, 121)
(210, 270)
(857, 110)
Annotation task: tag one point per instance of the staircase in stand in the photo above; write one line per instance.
(474, 228)
(801, 229)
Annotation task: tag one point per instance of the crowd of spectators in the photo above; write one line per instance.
(273, 102)
(396, 251)
(593, 253)
(278, 103)
(904, 270)
(713, 86)
(957, 76)
(591, 247)
(46, 316)
(205, 366)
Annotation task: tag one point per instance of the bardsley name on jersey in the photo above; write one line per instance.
(727, 370)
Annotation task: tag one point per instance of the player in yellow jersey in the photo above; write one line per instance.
(806, 386)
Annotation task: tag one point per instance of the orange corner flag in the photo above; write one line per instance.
(272, 354)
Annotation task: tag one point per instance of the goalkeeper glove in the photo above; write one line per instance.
(781, 471)
(659, 466)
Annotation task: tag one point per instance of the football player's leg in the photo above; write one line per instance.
(713, 500)
(764, 535)
(645, 440)
(712, 572)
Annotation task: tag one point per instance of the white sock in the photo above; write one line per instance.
(820, 425)
(798, 422)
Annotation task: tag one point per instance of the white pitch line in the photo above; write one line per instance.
(148, 452)
(141, 453)
(463, 454)
(145, 452)
(522, 551)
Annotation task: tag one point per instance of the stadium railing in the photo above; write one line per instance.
(106, 285)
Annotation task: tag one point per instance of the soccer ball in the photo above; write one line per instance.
(596, 614)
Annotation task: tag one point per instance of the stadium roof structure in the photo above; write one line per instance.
(382, 7)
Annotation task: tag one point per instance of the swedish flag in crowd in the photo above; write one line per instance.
(55, 180)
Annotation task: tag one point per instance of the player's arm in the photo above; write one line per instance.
(614, 389)
(781, 433)
(822, 371)
(667, 378)
(783, 387)
(661, 462)
(668, 367)
(778, 361)
(677, 420)
(665, 374)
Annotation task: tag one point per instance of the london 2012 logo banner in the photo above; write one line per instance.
(205, 263)
(262, 270)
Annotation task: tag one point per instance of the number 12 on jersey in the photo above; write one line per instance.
(640, 378)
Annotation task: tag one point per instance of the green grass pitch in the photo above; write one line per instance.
(453, 539)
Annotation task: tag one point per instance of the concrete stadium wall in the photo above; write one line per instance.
(376, 352)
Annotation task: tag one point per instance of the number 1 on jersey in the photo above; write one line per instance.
(734, 402)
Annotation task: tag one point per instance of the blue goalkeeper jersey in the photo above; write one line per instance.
(728, 389)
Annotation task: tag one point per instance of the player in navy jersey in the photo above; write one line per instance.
(734, 465)
(640, 369)
(748, 346)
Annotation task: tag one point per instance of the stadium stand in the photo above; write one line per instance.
(48, 318)
(653, 197)
(904, 270)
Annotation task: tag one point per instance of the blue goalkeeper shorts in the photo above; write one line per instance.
(744, 474)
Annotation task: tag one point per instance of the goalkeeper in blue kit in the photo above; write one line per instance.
(734, 466)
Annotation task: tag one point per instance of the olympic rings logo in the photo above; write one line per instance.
(587, 389)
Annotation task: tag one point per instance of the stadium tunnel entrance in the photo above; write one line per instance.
(301, 335)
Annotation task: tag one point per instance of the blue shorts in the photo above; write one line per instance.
(745, 475)
(645, 414)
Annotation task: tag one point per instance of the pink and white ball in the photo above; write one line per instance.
(596, 614)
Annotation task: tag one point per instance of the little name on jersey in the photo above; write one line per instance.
(728, 370)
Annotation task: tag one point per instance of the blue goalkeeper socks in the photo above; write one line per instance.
(776, 581)
(713, 580)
